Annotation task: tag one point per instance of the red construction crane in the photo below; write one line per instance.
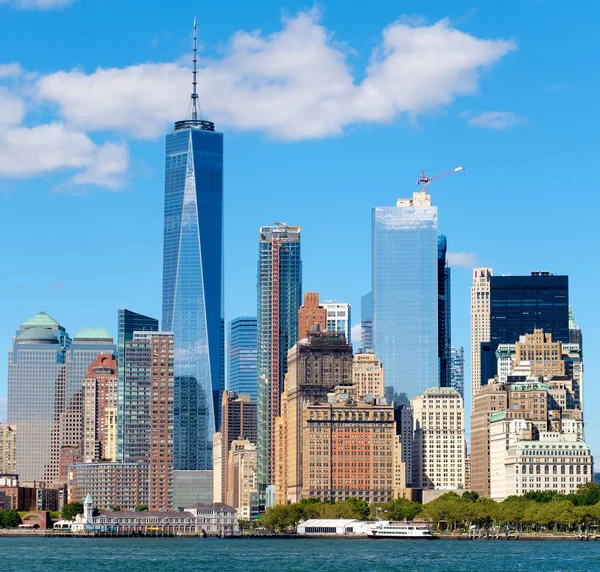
(425, 179)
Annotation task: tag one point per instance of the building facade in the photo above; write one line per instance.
(309, 314)
(242, 490)
(192, 487)
(192, 298)
(279, 298)
(457, 370)
(405, 293)
(242, 356)
(368, 374)
(444, 314)
(339, 318)
(8, 442)
(480, 324)
(366, 321)
(439, 434)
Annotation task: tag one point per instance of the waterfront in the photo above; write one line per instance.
(300, 555)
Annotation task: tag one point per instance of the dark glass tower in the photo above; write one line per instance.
(242, 356)
(444, 314)
(193, 280)
(518, 305)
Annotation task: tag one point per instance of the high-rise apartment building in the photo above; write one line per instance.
(279, 297)
(457, 370)
(128, 322)
(339, 318)
(366, 321)
(439, 436)
(309, 314)
(316, 366)
(444, 314)
(148, 411)
(242, 356)
(36, 396)
(368, 374)
(238, 421)
(480, 324)
(99, 409)
(192, 305)
(405, 293)
(242, 491)
(8, 438)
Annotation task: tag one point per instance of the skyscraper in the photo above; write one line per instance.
(457, 370)
(279, 297)
(193, 279)
(444, 313)
(575, 336)
(480, 324)
(339, 318)
(405, 293)
(242, 356)
(36, 396)
(129, 322)
(366, 321)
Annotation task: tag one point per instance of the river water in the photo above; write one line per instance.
(301, 555)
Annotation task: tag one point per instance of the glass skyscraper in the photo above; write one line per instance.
(444, 314)
(193, 281)
(457, 370)
(405, 294)
(242, 356)
(279, 298)
(129, 322)
(366, 321)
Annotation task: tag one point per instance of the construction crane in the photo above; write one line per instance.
(425, 179)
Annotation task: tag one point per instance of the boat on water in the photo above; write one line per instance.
(406, 530)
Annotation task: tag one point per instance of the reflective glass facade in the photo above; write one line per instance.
(242, 356)
(366, 321)
(444, 314)
(405, 293)
(457, 370)
(129, 322)
(279, 298)
(193, 284)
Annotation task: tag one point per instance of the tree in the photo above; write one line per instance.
(9, 518)
(470, 496)
(115, 508)
(71, 510)
(141, 507)
(587, 494)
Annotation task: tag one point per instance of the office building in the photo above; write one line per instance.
(339, 318)
(148, 411)
(128, 322)
(309, 314)
(366, 321)
(521, 304)
(480, 324)
(403, 416)
(99, 409)
(242, 491)
(457, 370)
(316, 366)
(192, 297)
(239, 421)
(8, 439)
(36, 396)
(439, 436)
(575, 336)
(191, 488)
(218, 469)
(242, 356)
(367, 374)
(405, 293)
(444, 315)
(279, 297)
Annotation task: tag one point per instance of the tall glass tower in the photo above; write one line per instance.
(242, 356)
(193, 280)
(405, 294)
(444, 314)
(279, 298)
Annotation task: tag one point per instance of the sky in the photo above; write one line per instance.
(328, 110)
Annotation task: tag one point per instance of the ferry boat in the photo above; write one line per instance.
(406, 530)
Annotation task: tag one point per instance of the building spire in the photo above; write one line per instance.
(194, 82)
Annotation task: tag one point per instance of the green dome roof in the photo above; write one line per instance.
(41, 320)
(36, 335)
(94, 334)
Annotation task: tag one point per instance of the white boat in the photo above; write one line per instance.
(406, 530)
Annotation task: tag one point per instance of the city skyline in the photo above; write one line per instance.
(58, 290)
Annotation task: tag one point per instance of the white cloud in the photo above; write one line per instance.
(12, 108)
(499, 120)
(355, 334)
(10, 70)
(37, 4)
(462, 259)
(293, 84)
(3, 407)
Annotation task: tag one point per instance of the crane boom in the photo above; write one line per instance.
(425, 179)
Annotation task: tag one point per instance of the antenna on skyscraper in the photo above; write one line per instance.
(194, 82)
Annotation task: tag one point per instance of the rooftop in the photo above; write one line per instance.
(98, 334)
(35, 335)
(41, 320)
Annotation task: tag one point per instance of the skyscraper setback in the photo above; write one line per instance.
(193, 280)
(279, 298)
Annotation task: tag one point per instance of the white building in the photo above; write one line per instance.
(557, 461)
(338, 318)
(480, 322)
(331, 526)
(438, 439)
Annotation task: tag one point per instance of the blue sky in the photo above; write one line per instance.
(327, 110)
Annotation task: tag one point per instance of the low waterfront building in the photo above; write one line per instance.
(337, 526)
(32, 495)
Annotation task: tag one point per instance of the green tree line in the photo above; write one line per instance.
(532, 512)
